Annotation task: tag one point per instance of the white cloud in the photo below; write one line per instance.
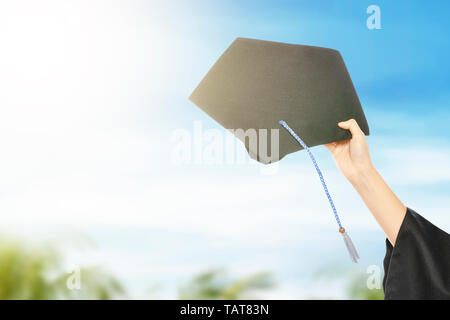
(417, 165)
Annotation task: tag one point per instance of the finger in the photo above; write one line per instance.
(351, 125)
(330, 146)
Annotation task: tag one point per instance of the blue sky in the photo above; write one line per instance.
(93, 91)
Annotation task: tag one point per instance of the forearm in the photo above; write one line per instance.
(384, 205)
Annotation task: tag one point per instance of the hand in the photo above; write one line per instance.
(353, 159)
(351, 156)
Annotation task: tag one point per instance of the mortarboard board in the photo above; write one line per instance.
(256, 83)
(262, 85)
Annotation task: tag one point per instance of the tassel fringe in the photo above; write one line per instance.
(350, 247)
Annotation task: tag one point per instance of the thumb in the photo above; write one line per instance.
(351, 125)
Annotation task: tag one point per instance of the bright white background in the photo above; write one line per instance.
(91, 91)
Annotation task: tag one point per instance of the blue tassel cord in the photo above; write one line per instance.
(348, 242)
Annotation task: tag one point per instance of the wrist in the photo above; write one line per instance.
(362, 174)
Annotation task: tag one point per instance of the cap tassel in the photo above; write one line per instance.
(350, 246)
(348, 242)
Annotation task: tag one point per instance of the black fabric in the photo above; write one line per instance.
(418, 267)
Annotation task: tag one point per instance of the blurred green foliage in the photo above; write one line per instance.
(29, 271)
(358, 290)
(35, 272)
(217, 285)
(353, 282)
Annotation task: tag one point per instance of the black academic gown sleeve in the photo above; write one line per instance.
(418, 267)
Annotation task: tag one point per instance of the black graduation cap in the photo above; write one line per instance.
(256, 83)
(259, 84)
